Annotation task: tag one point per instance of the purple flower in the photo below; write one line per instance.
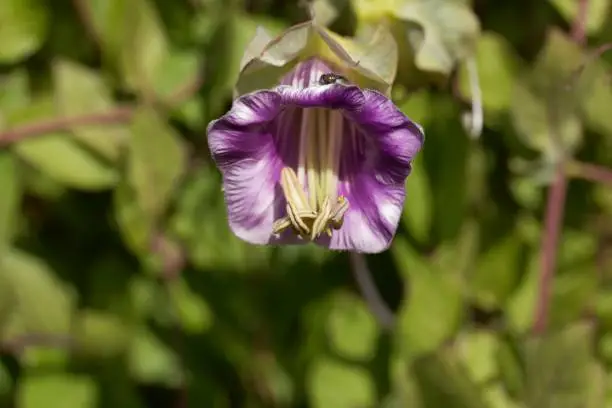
(315, 159)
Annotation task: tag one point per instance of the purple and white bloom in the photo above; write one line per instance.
(317, 159)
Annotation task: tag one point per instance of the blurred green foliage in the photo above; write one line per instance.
(122, 286)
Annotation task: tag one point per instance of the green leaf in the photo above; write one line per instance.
(263, 62)
(594, 94)
(61, 159)
(496, 396)
(558, 368)
(157, 161)
(133, 40)
(144, 46)
(100, 334)
(57, 391)
(14, 93)
(404, 384)
(176, 70)
(520, 307)
(603, 308)
(275, 378)
(194, 314)
(135, 225)
(511, 370)
(604, 347)
(429, 293)
(372, 10)
(146, 296)
(418, 107)
(351, 327)
(595, 18)
(369, 59)
(544, 109)
(9, 199)
(576, 282)
(42, 303)
(541, 129)
(446, 157)
(445, 32)
(6, 384)
(155, 165)
(238, 40)
(57, 155)
(497, 273)
(81, 91)
(597, 387)
(478, 351)
(497, 69)
(373, 55)
(333, 384)
(47, 357)
(572, 295)
(418, 206)
(443, 381)
(153, 362)
(23, 27)
(201, 223)
(327, 11)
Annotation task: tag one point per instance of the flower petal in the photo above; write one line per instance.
(379, 145)
(243, 149)
(332, 96)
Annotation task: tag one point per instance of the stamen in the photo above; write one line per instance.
(317, 209)
(296, 220)
(281, 224)
(293, 190)
(311, 158)
(337, 213)
(320, 223)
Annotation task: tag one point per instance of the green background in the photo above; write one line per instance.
(122, 286)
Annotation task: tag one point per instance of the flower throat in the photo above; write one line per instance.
(318, 208)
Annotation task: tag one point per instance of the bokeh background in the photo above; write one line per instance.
(121, 285)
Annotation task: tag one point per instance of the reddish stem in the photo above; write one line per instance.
(591, 172)
(114, 116)
(555, 207)
(579, 26)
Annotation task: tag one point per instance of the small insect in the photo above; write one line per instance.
(331, 78)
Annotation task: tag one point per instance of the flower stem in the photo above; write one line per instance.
(366, 284)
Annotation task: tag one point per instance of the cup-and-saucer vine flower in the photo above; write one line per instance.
(314, 156)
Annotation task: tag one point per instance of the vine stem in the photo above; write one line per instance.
(114, 116)
(590, 172)
(555, 207)
(579, 26)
